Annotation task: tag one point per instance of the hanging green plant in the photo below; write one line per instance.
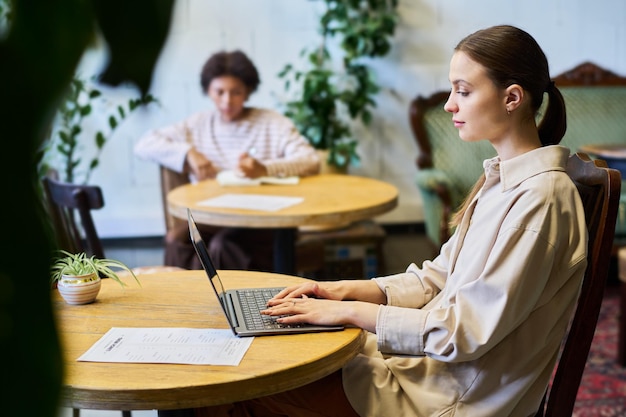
(331, 92)
(61, 149)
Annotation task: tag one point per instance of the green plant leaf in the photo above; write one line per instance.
(323, 93)
(67, 263)
(85, 110)
(62, 144)
(100, 140)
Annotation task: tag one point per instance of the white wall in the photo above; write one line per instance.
(272, 32)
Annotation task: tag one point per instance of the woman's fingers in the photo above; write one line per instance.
(296, 291)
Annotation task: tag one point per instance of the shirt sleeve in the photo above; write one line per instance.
(297, 155)
(417, 286)
(399, 321)
(167, 146)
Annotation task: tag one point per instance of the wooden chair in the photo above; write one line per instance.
(64, 200)
(169, 180)
(599, 188)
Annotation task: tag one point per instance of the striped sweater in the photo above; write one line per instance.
(266, 134)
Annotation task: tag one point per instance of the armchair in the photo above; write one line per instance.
(447, 166)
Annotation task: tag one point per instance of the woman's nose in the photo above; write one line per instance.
(226, 98)
(449, 105)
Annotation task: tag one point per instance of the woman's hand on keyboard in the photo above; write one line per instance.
(324, 312)
(357, 290)
(326, 290)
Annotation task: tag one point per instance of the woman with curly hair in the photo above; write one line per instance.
(252, 141)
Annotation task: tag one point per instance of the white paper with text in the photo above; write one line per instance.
(169, 345)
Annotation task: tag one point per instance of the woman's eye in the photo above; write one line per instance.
(463, 93)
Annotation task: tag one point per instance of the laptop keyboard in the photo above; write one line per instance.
(253, 302)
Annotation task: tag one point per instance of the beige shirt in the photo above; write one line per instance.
(269, 136)
(476, 331)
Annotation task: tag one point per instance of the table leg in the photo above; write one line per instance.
(185, 412)
(285, 251)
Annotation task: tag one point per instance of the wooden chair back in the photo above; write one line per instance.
(599, 188)
(170, 180)
(64, 200)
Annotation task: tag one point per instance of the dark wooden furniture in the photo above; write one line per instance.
(599, 188)
(63, 201)
(621, 338)
(169, 180)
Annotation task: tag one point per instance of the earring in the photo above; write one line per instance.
(508, 111)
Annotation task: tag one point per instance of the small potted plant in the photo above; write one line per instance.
(78, 277)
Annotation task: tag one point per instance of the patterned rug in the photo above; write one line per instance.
(603, 388)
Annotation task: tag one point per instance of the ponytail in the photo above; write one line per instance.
(511, 56)
(554, 123)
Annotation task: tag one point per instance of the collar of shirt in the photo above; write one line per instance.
(514, 171)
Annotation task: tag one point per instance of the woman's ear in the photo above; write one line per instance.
(514, 97)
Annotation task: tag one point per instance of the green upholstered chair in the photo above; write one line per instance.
(448, 167)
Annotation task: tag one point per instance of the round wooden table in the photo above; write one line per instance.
(329, 199)
(184, 299)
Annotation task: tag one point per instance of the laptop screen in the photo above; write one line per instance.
(203, 254)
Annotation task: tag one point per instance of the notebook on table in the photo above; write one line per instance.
(242, 307)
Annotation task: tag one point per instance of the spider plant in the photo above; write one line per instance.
(80, 264)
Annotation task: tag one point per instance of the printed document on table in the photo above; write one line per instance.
(232, 178)
(252, 201)
(169, 345)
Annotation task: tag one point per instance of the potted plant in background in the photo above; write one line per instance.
(333, 91)
(60, 151)
(71, 130)
(78, 277)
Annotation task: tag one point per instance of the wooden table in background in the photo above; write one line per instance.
(184, 299)
(329, 199)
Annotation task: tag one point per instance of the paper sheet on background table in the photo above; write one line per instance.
(252, 201)
(228, 178)
(168, 345)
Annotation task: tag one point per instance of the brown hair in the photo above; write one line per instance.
(511, 56)
(236, 64)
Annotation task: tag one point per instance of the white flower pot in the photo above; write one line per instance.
(81, 289)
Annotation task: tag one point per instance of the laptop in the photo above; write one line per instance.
(242, 307)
